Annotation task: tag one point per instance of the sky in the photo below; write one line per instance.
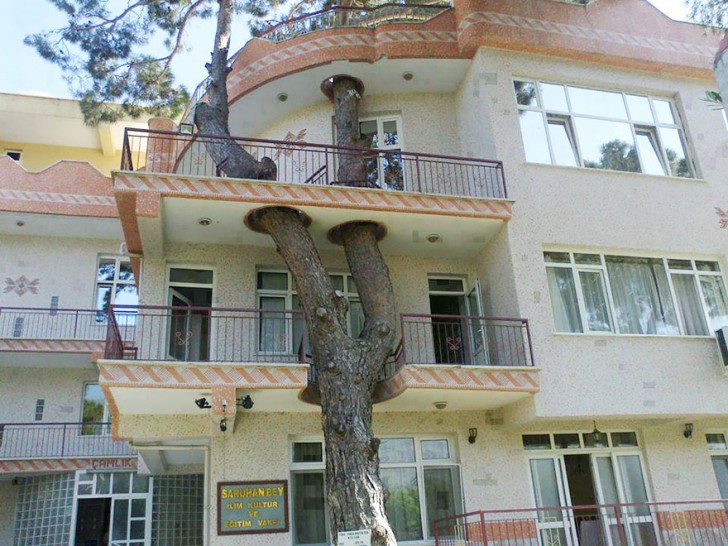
(23, 71)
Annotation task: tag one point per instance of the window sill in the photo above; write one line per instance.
(616, 173)
(607, 335)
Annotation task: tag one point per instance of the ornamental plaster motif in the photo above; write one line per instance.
(52, 346)
(723, 221)
(26, 466)
(21, 286)
(287, 150)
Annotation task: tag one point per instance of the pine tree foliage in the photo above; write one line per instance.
(713, 13)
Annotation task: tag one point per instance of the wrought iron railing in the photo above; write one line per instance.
(694, 523)
(206, 334)
(52, 324)
(352, 17)
(59, 440)
(163, 152)
(466, 340)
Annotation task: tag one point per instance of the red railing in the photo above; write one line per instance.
(206, 334)
(59, 440)
(694, 523)
(52, 324)
(466, 340)
(352, 17)
(164, 152)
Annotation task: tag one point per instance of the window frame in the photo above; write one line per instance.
(635, 126)
(716, 453)
(420, 464)
(113, 283)
(399, 147)
(606, 284)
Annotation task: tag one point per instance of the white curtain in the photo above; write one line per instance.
(688, 302)
(563, 299)
(716, 301)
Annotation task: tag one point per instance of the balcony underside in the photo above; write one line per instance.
(157, 210)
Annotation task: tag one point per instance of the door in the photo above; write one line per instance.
(555, 526)
(477, 327)
(93, 522)
(180, 332)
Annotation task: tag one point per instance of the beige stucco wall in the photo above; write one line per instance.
(64, 267)
(8, 498)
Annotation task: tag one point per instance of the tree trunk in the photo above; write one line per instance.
(213, 118)
(347, 369)
(352, 165)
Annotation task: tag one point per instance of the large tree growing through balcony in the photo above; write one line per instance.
(104, 50)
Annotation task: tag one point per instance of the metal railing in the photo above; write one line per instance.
(466, 340)
(59, 440)
(165, 152)
(694, 523)
(352, 17)
(206, 334)
(52, 324)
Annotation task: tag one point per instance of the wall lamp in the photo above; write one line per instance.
(186, 128)
(688, 430)
(246, 402)
(202, 403)
(473, 434)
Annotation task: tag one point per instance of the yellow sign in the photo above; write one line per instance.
(252, 507)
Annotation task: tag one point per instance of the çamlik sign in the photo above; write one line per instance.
(252, 507)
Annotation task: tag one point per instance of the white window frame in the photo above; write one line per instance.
(453, 461)
(381, 119)
(113, 283)
(717, 453)
(635, 126)
(106, 418)
(602, 268)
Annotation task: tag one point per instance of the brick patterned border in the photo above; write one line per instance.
(33, 466)
(52, 346)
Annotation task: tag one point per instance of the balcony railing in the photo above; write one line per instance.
(59, 440)
(164, 152)
(466, 340)
(352, 17)
(52, 324)
(694, 523)
(206, 334)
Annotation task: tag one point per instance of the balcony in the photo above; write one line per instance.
(25, 329)
(699, 523)
(21, 441)
(488, 361)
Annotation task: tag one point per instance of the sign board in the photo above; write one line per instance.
(355, 538)
(252, 507)
(117, 463)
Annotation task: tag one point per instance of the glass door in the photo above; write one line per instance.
(554, 526)
(477, 328)
(180, 332)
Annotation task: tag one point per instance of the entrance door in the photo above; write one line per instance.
(189, 321)
(93, 522)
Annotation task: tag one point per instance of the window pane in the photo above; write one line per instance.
(125, 271)
(716, 300)
(442, 493)
(566, 441)
(121, 515)
(639, 109)
(564, 303)
(649, 154)
(546, 491)
(435, 449)
(596, 440)
(536, 441)
(534, 137)
(557, 257)
(397, 450)
(608, 483)
(138, 508)
(136, 530)
(337, 281)
(126, 294)
(688, 304)
(272, 281)
(597, 103)
(273, 325)
(140, 484)
(716, 441)
(103, 297)
(122, 481)
(642, 300)
(195, 276)
(595, 301)
(720, 465)
(607, 145)
(106, 269)
(561, 143)
(624, 439)
(526, 93)
(308, 452)
(403, 503)
(94, 403)
(309, 516)
(664, 112)
(446, 285)
(103, 483)
(368, 131)
(391, 136)
(707, 266)
(681, 265)
(633, 481)
(675, 151)
(588, 259)
(554, 97)
(351, 285)
(356, 313)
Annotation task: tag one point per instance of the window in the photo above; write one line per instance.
(632, 295)
(421, 476)
(276, 293)
(383, 133)
(579, 440)
(580, 127)
(39, 409)
(15, 155)
(115, 285)
(94, 411)
(718, 447)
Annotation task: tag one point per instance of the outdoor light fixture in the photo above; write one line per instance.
(204, 221)
(473, 434)
(688, 430)
(283, 97)
(202, 403)
(186, 128)
(223, 424)
(596, 432)
(434, 238)
(407, 76)
(20, 223)
(440, 405)
(246, 402)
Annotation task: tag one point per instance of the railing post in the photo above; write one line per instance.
(404, 343)
(417, 170)
(483, 533)
(620, 527)
(530, 344)
(326, 161)
(75, 325)
(63, 441)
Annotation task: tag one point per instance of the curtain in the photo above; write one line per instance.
(688, 302)
(595, 301)
(715, 300)
(563, 299)
(642, 300)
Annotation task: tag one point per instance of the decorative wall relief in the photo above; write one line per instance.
(293, 139)
(723, 222)
(21, 285)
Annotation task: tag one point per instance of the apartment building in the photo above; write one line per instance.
(552, 186)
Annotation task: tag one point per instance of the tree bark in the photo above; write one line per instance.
(347, 369)
(352, 165)
(213, 118)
